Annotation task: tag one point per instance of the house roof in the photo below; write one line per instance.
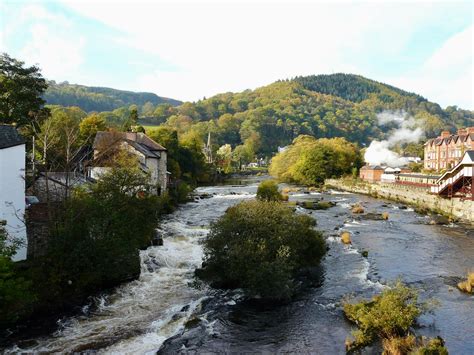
(9, 137)
(424, 176)
(372, 167)
(139, 138)
(140, 141)
(447, 140)
(468, 157)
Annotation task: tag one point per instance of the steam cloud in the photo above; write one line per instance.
(379, 152)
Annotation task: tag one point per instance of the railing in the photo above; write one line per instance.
(444, 182)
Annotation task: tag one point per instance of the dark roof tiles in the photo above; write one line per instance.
(9, 137)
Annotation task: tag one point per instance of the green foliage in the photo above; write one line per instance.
(268, 191)
(99, 98)
(96, 236)
(89, 127)
(354, 88)
(15, 292)
(388, 315)
(310, 161)
(261, 246)
(185, 157)
(20, 91)
(325, 106)
(433, 346)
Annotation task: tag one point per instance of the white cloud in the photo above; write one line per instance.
(57, 54)
(447, 76)
(51, 41)
(209, 47)
(217, 47)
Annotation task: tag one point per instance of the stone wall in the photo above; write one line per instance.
(462, 210)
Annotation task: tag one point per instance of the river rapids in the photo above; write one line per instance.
(166, 311)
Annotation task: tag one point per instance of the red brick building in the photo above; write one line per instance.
(445, 151)
(371, 173)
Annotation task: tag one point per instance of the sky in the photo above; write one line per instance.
(195, 49)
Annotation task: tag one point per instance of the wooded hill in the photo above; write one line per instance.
(337, 105)
(90, 98)
(256, 122)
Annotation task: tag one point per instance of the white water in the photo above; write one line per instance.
(139, 316)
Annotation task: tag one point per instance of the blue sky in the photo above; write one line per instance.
(187, 50)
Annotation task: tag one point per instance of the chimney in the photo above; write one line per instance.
(462, 132)
(445, 134)
(131, 136)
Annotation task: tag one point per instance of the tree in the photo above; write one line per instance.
(89, 127)
(310, 161)
(21, 90)
(224, 158)
(15, 292)
(261, 246)
(148, 109)
(268, 191)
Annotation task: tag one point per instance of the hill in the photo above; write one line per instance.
(324, 106)
(90, 98)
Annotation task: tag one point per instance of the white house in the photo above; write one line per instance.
(12, 185)
(151, 155)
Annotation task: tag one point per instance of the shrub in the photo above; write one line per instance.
(15, 291)
(261, 246)
(268, 191)
(388, 316)
(95, 239)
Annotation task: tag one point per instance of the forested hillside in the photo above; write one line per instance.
(256, 122)
(98, 99)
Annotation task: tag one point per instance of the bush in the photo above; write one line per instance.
(388, 316)
(15, 291)
(261, 246)
(268, 191)
(95, 239)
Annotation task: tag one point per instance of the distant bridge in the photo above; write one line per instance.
(457, 182)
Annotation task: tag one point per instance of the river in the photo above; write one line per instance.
(166, 311)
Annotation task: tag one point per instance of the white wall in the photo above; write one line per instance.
(12, 193)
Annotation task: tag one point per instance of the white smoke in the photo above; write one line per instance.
(379, 152)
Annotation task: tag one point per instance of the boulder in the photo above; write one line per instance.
(373, 216)
(357, 208)
(316, 205)
(439, 220)
(468, 285)
(157, 239)
(346, 237)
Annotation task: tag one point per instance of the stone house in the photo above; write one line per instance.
(151, 155)
(12, 185)
(446, 151)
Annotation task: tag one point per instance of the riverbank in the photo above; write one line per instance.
(455, 209)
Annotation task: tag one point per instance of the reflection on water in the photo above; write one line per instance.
(164, 303)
